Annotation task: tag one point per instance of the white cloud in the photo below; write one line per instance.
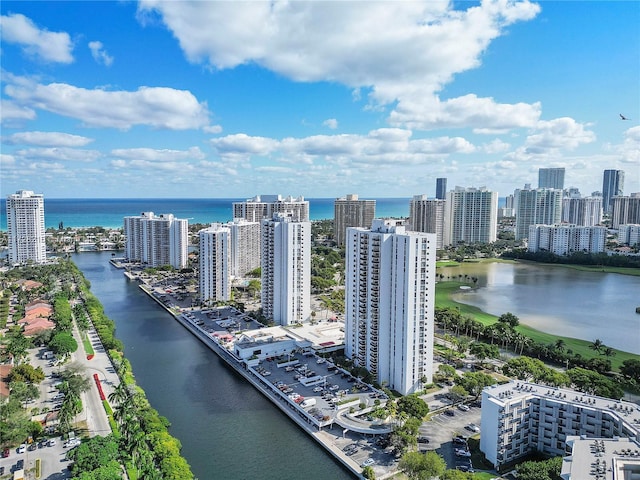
(392, 145)
(484, 114)
(630, 148)
(400, 52)
(215, 129)
(47, 46)
(496, 146)
(153, 155)
(99, 54)
(158, 107)
(12, 112)
(7, 160)
(63, 153)
(47, 139)
(332, 123)
(561, 133)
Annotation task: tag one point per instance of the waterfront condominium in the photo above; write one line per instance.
(214, 278)
(427, 215)
(586, 212)
(520, 418)
(227, 251)
(389, 304)
(625, 210)
(470, 216)
(265, 206)
(156, 240)
(286, 270)
(441, 188)
(348, 212)
(25, 228)
(612, 186)
(536, 206)
(551, 178)
(567, 239)
(629, 235)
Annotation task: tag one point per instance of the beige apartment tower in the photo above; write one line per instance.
(349, 211)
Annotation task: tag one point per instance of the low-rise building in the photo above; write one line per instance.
(520, 417)
(601, 459)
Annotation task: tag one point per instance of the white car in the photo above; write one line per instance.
(463, 407)
(317, 389)
(22, 448)
(368, 462)
(462, 453)
(473, 427)
(333, 388)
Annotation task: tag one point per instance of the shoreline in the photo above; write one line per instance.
(321, 436)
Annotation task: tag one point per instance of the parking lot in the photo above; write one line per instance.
(318, 387)
(441, 429)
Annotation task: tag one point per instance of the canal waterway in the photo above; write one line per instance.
(226, 427)
(557, 300)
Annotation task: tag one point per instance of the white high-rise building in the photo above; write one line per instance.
(470, 216)
(536, 206)
(286, 270)
(625, 210)
(157, 240)
(567, 239)
(629, 234)
(214, 262)
(586, 212)
(25, 228)
(245, 246)
(227, 251)
(389, 303)
(427, 216)
(350, 211)
(260, 207)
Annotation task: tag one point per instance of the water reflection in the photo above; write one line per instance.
(558, 300)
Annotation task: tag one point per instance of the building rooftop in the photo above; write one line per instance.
(505, 393)
(601, 459)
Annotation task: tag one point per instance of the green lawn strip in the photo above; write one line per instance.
(112, 421)
(88, 348)
(444, 290)
(447, 263)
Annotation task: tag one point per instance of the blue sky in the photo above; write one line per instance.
(233, 99)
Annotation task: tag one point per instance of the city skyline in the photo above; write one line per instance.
(361, 102)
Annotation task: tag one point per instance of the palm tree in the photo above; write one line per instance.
(597, 345)
(608, 352)
(559, 345)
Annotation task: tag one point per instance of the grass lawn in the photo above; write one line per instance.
(591, 268)
(444, 290)
(88, 348)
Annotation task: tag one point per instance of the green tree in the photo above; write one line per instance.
(483, 350)
(631, 369)
(63, 343)
(541, 470)
(26, 373)
(509, 319)
(456, 475)
(475, 382)
(368, 473)
(421, 466)
(413, 406)
(591, 382)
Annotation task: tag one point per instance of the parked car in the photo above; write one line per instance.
(368, 462)
(472, 427)
(423, 440)
(22, 448)
(462, 453)
(463, 407)
(450, 413)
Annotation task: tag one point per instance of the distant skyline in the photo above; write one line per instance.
(232, 99)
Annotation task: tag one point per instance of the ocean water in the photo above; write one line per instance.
(90, 212)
